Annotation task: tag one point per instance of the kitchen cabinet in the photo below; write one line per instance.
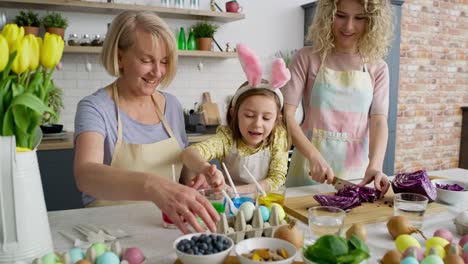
(113, 8)
(393, 61)
(463, 160)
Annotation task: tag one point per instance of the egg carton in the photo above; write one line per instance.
(91, 256)
(237, 228)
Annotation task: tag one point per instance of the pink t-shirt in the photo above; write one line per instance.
(305, 66)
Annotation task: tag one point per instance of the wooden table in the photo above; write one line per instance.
(144, 223)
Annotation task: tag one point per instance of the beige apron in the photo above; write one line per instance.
(258, 164)
(155, 157)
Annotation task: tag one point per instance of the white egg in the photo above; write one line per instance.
(462, 218)
(248, 209)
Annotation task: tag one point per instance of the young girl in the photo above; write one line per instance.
(345, 85)
(255, 135)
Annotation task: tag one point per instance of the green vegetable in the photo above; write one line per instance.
(330, 249)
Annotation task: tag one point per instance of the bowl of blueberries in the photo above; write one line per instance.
(202, 248)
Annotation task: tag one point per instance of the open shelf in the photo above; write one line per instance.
(112, 8)
(182, 53)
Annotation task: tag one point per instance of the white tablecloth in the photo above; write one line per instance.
(144, 223)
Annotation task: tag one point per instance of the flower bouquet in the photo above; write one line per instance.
(26, 67)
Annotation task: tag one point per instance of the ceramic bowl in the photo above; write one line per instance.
(50, 129)
(247, 245)
(216, 258)
(451, 197)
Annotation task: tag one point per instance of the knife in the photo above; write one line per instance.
(340, 183)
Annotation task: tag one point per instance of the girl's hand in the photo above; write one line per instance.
(215, 176)
(320, 171)
(180, 202)
(381, 182)
(199, 182)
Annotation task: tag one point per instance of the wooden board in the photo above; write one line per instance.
(210, 111)
(366, 213)
(234, 260)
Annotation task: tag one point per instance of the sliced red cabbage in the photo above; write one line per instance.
(365, 194)
(450, 187)
(342, 202)
(414, 182)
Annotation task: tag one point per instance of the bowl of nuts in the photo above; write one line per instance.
(202, 248)
(265, 249)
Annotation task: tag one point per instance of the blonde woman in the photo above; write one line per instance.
(128, 135)
(344, 83)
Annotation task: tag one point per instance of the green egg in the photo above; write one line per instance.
(100, 248)
(50, 258)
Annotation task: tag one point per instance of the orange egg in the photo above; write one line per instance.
(83, 261)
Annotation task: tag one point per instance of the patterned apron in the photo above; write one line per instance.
(155, 157)
(337, 124)
(258, 164)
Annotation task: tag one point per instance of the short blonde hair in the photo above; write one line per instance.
(375, 42)
(121, 36)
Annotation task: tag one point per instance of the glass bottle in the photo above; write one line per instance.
(194, 4)
(191, 43)
(181, 44)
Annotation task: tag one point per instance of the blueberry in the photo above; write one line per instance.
(213, 237)
(219, 246)
(204, 246)
(208, 252)
(189, 251)
(215, 251)
(194, 238)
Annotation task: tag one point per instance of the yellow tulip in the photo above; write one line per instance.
(35, 51)
(51, 50)
(23, 56)
(4, 54)
(12, 32)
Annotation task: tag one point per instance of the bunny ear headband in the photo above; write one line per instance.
(280, 75)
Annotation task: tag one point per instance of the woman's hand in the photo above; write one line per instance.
(320, 171)
(381, 182)
(180, 202)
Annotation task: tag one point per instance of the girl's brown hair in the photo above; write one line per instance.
(233, 119)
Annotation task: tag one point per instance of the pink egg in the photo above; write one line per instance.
(444, 233)
(465, 257)
(463, 240)
(133, 255)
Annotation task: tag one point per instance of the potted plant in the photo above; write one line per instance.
(55, 102)
(55, 23)
(29, 21)
(204, 32)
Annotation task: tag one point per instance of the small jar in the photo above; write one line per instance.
(85, 40)
(97, 41)
(73, 40)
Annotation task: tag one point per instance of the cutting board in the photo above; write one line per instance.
(210, 111)
(366, 213)
(234, 260)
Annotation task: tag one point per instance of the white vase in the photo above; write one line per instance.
(24, 225)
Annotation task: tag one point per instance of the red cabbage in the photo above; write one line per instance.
(450, 187)
(414, 182)
(365, 194)
(342, 202)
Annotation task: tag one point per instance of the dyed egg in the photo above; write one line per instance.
(444, 233)
(438, 250)
(465, 247)
(265, 213)
(463, 241)
(133, 255)
(99, 248)
(108, 257)
(281, 213)
(409, 260)
(83, 261)
(50, 258)
(414, 250)
(436, 241)
(248, 208)
(432, 259)
(402, 242)
(76, 254)
(465, 257)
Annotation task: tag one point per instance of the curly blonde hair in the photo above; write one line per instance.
(375, 42)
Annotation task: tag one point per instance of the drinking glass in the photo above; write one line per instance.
(215, 197)
(275, 196)
(325, 220)
(412, 206)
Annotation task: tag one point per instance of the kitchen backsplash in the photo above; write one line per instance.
(221, 77)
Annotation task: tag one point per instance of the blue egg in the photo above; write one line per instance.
(409, 260)
(108, 257)
(265, 212)
(76, 254)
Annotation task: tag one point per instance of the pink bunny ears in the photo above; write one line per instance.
(280, 75)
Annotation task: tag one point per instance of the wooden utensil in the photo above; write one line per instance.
(210, 111)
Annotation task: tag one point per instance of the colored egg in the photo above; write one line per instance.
(432, 259)
(436, 241)
(83, 261)
(133, 255)
(281, 213)
(465, 256)
(409, 260)
(108, 257)
(248, 209)
(439, 250)
(402, 242)
(463, 241)
(414, 249)
(265, 213)
(50, 258)
(76, 254)
(99, 248)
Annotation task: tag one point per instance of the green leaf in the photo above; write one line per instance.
(32, 102)
(8, 125)
(6, 71)
(356, 243)
(326, 249)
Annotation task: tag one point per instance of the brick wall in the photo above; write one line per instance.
(433, 84)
